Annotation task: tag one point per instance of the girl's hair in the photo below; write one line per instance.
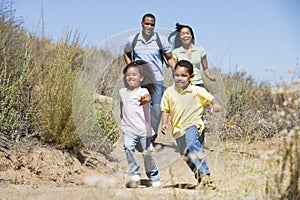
(177, 42)
(146, 71)
(187, 64)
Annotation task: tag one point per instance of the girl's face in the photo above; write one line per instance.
(182, 77)
(185, 36)
(133, 77)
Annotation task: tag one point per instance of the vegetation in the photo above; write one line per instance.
(38, 78)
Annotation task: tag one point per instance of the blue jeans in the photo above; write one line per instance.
(202, 136)
(133, 141)
(155, 107)
(189, 145)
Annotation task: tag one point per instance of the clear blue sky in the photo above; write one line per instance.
(244, 35)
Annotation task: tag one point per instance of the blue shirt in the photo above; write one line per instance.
(149, 52)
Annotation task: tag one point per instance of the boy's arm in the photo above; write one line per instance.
(164, 119)
(216, 107)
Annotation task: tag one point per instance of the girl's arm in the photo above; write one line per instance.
(164, 119)
(145, 99)
(121, 109)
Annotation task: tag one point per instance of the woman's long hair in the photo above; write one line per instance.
(177, 42)
(146, 71)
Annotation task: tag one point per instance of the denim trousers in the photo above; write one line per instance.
(132, 142)
(189, 146)
(202, 136)
(155, 107)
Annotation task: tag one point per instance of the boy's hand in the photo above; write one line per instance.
(216, 108)
(145, 99)
(164, 129)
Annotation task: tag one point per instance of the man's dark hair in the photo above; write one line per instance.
(187, 64)
(148, 15)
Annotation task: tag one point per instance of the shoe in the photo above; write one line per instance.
(135, 177)
(150, 148)
(156, 184)
(204, 181)
(133, 182)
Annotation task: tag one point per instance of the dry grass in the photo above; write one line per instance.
(48, 92)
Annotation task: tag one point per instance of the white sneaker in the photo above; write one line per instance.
(135, 177)
(150, 148)
(156, 184)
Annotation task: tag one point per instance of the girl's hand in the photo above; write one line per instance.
(164, 129)
(145, 99)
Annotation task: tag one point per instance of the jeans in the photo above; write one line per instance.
(155, 107)
(189, 146)
(131, 142)
(202, 136)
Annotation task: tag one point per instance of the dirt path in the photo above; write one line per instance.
(236, 170)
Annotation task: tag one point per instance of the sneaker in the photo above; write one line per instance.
(150, 148)
(135, 177)
(133, 182)
(205, 182)
(156, 184)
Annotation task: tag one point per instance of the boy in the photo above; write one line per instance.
(185, 102)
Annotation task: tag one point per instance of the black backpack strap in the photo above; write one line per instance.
(134, 41)
(161, 50)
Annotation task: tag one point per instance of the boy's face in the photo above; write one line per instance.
(182, 77)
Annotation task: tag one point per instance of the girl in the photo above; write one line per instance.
(135, 114)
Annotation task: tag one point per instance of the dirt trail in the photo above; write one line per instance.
(45, 173)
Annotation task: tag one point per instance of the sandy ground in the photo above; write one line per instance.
(46, 173)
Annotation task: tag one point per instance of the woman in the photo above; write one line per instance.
(185, 49)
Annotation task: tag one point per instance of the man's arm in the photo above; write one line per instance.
(127, 57)
(170, 59)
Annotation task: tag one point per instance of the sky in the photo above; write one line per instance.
(259, 37)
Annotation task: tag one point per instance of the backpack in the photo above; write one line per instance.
(159, 44)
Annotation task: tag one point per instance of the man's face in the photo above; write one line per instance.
(148, 26)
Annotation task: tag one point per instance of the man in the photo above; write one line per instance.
(147, 48)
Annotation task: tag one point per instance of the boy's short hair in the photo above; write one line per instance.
(187, 64)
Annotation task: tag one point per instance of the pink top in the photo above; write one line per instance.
(135, 118)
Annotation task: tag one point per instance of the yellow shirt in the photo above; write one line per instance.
(185, 107)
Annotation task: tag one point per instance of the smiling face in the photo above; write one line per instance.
(182, 77)
(185, 36)
(133, 78)
(148, 26)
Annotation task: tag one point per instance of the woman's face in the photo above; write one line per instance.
(185, 36)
